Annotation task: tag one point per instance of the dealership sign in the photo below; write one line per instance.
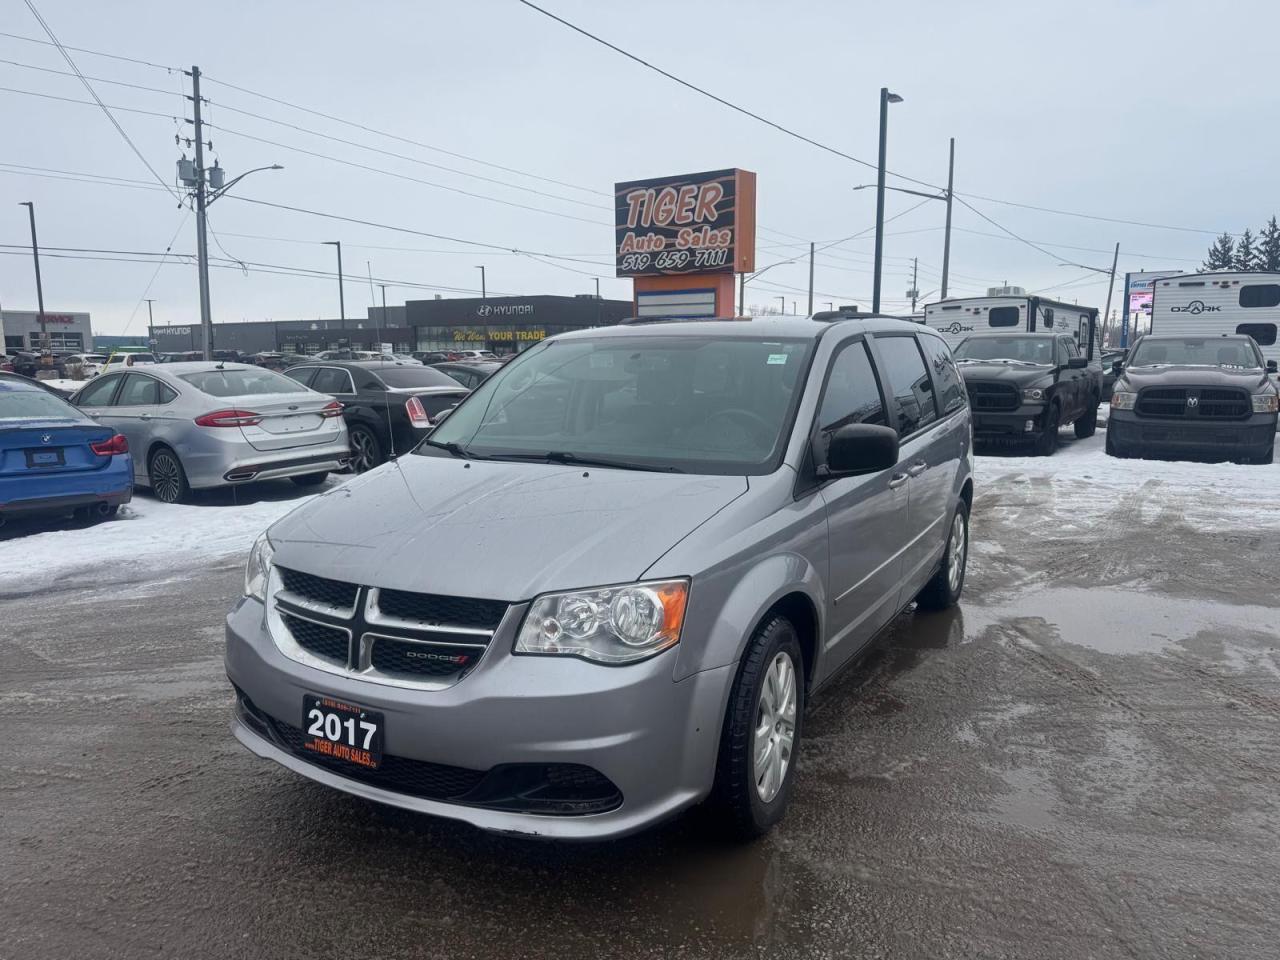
(695, 223)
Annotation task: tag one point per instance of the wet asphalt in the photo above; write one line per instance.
(1064, 767)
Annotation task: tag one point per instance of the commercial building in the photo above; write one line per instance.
(500, 324)
(68, 332)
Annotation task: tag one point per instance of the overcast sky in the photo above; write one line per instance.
(1156, 112)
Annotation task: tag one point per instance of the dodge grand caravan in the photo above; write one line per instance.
(604, 589)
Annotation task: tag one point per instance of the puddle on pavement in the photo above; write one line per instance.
(1029, 802)
(1124, 621)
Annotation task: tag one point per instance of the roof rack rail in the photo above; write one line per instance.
(638, 320)
(850, 312)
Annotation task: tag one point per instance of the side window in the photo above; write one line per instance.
(852, 394)
(98, 393)
(951, 394)
(1260, 295)
(909, 381)
(138, 391)
(332, 380)
(1003, 317)
(1068, 349)
(304, 375)
(1048, 318)
(1263, 333)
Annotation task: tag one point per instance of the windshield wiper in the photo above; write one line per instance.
(457, 449)
(574, 459)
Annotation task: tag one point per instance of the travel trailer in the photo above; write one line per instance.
(1012, 309)
(1212, 304)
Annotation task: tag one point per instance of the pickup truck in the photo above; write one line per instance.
(1026, 386)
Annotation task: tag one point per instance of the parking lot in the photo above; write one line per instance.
(1081, 761)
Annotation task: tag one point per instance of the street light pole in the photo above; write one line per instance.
(886, 98)
(946, 237)
(783, 300)
(151, 320)
(483, 291)
(35, 253)
(202, 242)
(810, 278)
(342, 303)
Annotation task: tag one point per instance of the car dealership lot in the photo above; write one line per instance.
(1082, 760)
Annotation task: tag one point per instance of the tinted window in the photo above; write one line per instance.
(702, 404)
(413, 376)
(909, 381)
(1260, 295)
(20, 402)
(137, 391)
(98, 393)
(950, 390)
(241, 383)
(303, 375)
(1029, 349)
(1196, 351)
(1048, 318)
(332, 380)
(1264, 333)
(1003, 317)
(1068, 349)
(852, 394)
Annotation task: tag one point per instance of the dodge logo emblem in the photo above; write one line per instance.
(1193, 401)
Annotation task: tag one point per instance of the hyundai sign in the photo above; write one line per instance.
(695, 223)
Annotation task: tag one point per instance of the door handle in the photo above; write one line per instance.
(897, 480)
(145, 416)
(917, 468)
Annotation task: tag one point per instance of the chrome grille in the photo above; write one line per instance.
(387, 636)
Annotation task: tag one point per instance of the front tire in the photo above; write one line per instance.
(759, 746)
(1087, 425)
(944, 589)
(167, 478)
(1047, 442)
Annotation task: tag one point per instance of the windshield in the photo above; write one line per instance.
(20, 402)
(718, 405)
(241, 383)
(1196, 352)
(1037, 350)
(415, 376)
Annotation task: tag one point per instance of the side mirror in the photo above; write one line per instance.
(1117, 367)
(1077, 363)
(1271, 366)
(858, 448)
(439, 418)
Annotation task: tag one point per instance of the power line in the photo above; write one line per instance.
(155, 273)
(68, 73)
(94, 53)
(98, 100)
(92, 103)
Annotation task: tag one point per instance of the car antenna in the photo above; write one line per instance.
(377, 329)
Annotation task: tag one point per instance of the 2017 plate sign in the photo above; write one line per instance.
(342, 731)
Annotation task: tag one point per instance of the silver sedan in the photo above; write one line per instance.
(206, 424)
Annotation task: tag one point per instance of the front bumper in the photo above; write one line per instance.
(654, 738)
(1026, 421)
(1221, 438)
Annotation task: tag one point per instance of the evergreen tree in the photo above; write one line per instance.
(1247, 258)
(1221, 254)
(1269, 246)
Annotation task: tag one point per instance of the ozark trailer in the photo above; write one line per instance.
(1010, 310)
(1211, 304)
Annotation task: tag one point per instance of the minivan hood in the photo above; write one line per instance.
(501, 531)
(1177, 375)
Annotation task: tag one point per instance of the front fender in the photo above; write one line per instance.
(727, 606)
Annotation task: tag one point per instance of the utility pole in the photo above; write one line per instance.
(810, 278)
(1115, 259)
(597, 288)
(35, 253)
(915, 287)
(384, 303)
(783, 301)
(151, 320)
(886, 98)
(742, 294)
(342, 303)
(483, 290)
(946, 241)
(202, 242)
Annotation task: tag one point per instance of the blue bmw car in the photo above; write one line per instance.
(54, 459)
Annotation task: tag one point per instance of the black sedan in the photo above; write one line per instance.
(388, 406)
(469, 373)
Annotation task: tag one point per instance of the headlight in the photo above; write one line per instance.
(258, 569)
(1266, 403)
(1122, 400)
(609, 624)
(1033, 395)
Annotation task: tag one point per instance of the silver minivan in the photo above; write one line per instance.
(605, 588)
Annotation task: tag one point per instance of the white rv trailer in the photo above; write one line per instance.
(1013, 309)
(1211, 304)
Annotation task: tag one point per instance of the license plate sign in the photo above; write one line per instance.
(342, 731)
(45, 458)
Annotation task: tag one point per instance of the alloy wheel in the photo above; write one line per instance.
(166, 478)
(775, 729)
(362, 451)
(959, 548)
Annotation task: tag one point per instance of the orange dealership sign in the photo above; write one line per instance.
(694, 223)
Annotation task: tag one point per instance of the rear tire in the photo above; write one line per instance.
(1047, 442)
(755, 769)
(1087, 425)
(167, 478)
(366, 450)
(310, 479)
(944, 589)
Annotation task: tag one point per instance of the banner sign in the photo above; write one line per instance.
(694, 223)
